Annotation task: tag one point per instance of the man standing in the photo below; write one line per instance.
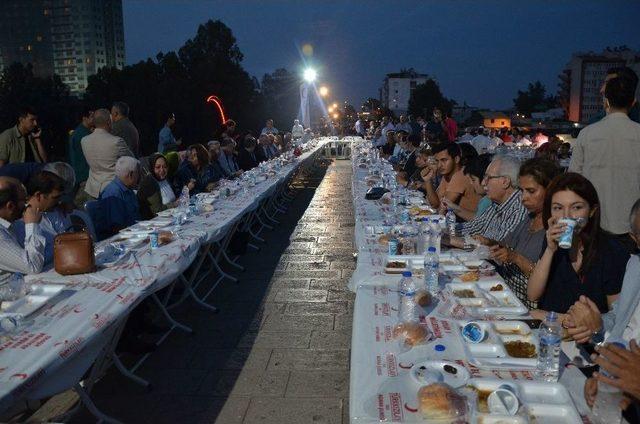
(76, 156)
(607, 153)
(14, 258)
(22, 143)
(450, 127)
(454, 188)
(481, 142)
(122, 127)
(269, 128)
(166, 140)
(434, 126)
(297, 131)
(101, 150)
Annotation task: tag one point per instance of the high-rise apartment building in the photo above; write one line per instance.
(583, 76)
(397, 87)
(71, 38)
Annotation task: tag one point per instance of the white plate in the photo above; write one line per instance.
(546, 402)
(491, 352)
(447, 372)
(30, 303)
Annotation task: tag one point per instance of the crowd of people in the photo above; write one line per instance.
(106, 184)
(517, 209)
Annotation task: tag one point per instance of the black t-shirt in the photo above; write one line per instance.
(603, 278)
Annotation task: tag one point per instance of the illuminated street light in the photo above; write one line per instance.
(324, 91)
(330, 109)
(335, 116)
(310, 75)
(335, 105)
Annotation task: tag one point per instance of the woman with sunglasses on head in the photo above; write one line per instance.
(592, 266)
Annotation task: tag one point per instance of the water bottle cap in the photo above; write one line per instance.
(406, 273)
(431, 249)
(552, 316)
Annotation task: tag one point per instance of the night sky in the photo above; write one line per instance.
(480, 52)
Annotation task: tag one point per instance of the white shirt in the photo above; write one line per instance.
(633, 327)
(404, 127)
(297, 131)
(481, 143)
(166, 192)
(14, 258)
(358, 127)
(607, 153)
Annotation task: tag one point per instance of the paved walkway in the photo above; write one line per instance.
(278, 352)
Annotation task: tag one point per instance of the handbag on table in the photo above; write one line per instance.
(73, 253)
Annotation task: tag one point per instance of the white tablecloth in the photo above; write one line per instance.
(380, 386)
(59, 343)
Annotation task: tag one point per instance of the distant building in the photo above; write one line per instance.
(70, 38)
(549, 115)
(583, 76)
(396, 90)
(488, 119)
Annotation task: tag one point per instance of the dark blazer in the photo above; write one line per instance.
(247, 160)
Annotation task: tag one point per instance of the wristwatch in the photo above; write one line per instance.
(598, 336)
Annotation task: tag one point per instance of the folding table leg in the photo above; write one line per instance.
(88, 403)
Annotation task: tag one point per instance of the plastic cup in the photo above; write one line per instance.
(473, 332)
(566, 238)
(503, 401)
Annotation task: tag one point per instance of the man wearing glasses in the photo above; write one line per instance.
(506, 211)
(13, 257)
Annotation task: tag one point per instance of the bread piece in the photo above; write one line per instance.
(423, 298)
(438, 401)
(412, 334)
(470, 276)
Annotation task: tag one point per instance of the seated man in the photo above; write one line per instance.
(454, 188)
(247, 158)
(44, 190)
(118, 200)
(506, 210)
(408, 166)
(631, 240)
(15, 258)
(227, 159)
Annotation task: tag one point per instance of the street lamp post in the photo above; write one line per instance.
(309, 77)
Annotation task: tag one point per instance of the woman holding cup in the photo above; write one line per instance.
(578, 256)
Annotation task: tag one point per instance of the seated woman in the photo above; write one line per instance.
(594, 264)
(474, 170)
(195, 172)
(155, 193)
(520, 249)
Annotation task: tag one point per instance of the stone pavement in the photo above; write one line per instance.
(279, 350)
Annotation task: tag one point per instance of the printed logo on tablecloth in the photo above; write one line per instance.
(26, 340)
(69, 347)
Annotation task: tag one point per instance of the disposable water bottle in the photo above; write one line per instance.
(606, 407)
(450, 219)
(549, 348)
(183, 200)
(424, 240)
(436, 234)
(407, 312)
(431, 267)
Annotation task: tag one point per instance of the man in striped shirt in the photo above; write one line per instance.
(506, 211)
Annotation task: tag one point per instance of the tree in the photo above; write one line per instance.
(208, 64)
(280, 96)
(57, 110)
(425, 97)
(534, 99)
